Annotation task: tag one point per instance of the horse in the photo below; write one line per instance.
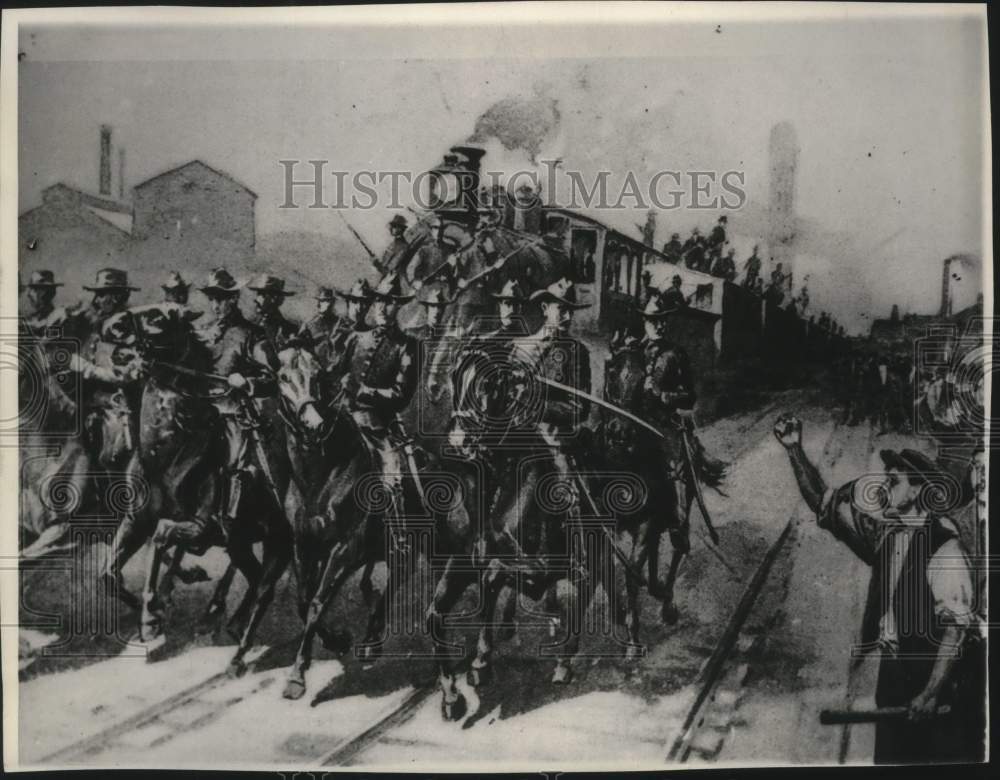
(174, 476)
(524, 516)
(342, 522)
(662, 502)
(67, 458)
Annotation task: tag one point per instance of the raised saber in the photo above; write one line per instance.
(639, 421)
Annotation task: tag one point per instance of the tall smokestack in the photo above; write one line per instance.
(784, 156)
(105, 188)
(121, 173)
(946, 288)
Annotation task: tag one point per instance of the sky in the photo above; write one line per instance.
(888, 115)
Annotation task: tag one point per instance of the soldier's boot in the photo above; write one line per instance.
(238, 484)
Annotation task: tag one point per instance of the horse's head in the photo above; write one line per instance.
(302, 390)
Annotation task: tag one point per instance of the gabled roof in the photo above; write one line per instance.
(199, 164)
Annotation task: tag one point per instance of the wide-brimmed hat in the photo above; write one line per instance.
(359, 291)
(723, 218)
(391, 288)
(398, 221)
(696, 232)
(110, 279)
(511, 291)
(675, 235)
(676, 278)
(657, 308)
(221, 282)
(174, 281)
(43, 279)
(266, 283)
(325, 294)
(562, 291)
(913, 462)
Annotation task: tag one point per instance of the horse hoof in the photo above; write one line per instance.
(294, 689)
(237, 668)
(670, 614)
(454, 710)
(338, 642)
(480, 676)
(563, 675)
(154, 647)
(368, 654)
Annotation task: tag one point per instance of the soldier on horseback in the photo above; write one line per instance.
(105, 407)
(241, 352)
(317, 331)
(433, 360)
(379, 377)
(358, 300)
(41, 312)
(175, 289)
(270, 294)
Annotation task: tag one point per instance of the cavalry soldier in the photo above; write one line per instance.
(107, 410)
(752, 268)
(379, 378)
(552, 353)
(396, 256)
(920, 609)
(319, 329)
(433, 357)
(673, 248)
(175, 289)
(41, 313)
(667, 401)
(243, 354)
(358, 300)
(270, 294)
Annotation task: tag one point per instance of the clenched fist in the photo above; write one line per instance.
(788, 430)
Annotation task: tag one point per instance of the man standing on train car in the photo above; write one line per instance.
(920, 609)
(673, 248)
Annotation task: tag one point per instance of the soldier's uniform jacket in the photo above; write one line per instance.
(669, 384)
(99, 372)
(717, 237)
(395, 255)
(318, 332)
(557, 356)
(241, 347)
(380, 374)
(277, 330)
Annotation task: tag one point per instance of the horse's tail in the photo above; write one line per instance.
(709, 471)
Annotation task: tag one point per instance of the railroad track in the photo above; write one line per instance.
(194, 701)
(712, 714)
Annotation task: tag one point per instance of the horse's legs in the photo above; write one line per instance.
(397, 563)
(217, 604)
(242, 557)
(277, 554)
(492, 582)
(130, 536)
(335, 571)
(574, 594)
(151, 623)
(449, 589)
(366, 587)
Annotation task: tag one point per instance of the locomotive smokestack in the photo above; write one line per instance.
(105, 188)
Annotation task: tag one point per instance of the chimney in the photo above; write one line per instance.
(105, 188)
(946, 289)
(121, 173)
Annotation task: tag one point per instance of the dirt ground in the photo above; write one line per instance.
(806, 617)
